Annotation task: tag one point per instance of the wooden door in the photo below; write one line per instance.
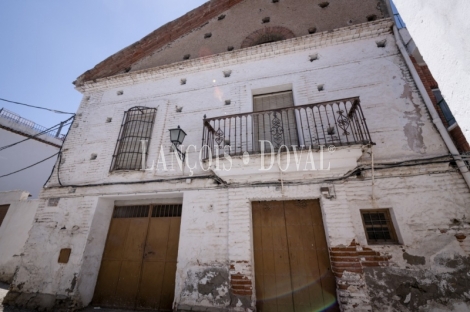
(139, 261)
(157, 284)
(292, 268)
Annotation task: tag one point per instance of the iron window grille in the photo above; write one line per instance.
(131, 212)
(136, 130)
(378, 227)
(142, 211)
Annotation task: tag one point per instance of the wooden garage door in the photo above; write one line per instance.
(139, 261)
(292, 267)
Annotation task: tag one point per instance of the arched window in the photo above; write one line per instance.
(267, 35)
(134, 138)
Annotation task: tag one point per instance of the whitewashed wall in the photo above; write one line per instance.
(216, 222)
(14, 230)
(24, 155)
(440, 29)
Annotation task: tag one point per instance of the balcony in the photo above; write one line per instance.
(337, 123)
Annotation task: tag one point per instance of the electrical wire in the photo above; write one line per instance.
(5, 175)
(355, 171)
(48, 109)
(64, 123)
(32, 137)
(60, 157)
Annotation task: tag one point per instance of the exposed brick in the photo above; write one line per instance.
(343, 254)
(241, 287)
(241, 282)
(344, 259)
(347, 264)
(367, 253)
(350, 248)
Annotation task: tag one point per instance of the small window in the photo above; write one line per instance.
(379, 227)
(3, 212)
(134, 139)
(64, 255)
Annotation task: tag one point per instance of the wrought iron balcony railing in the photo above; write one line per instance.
(338, 123)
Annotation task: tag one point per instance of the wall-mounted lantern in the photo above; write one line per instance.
(177, 136)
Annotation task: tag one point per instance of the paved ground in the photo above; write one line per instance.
(4, 290)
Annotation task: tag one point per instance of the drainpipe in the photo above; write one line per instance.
(434, 115)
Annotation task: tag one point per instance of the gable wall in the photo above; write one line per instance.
(245, 18)
(169, 43)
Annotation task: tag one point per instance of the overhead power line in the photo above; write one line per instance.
(53, 128)
(48, 109)
(5, 175)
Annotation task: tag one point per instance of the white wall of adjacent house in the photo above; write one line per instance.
(14, 230)
(216, 221)
(439, 30)
(24, 155)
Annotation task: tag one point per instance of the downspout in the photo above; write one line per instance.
(432, 110)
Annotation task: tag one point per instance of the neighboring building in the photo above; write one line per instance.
(13, 129)
(371, 216)
(16, 219)
(440, 29)
(431, 86)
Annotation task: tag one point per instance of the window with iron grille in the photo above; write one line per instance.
(156, 211)
(134, 138)
(378, 226)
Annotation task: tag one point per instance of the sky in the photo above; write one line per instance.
(45, 45)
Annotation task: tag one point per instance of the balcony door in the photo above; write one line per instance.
(274, 121)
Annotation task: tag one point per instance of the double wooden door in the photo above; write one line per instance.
(292, 267)
(139, 261)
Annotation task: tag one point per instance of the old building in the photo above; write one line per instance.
(363, 205)
(17, 213)
(23, 143)
(431, 22)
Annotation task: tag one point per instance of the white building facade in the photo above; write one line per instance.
(369, 214)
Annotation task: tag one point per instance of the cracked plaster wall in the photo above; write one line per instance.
(14, 230)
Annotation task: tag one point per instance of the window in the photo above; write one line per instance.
(444, 107)
(3, 212)
(134, 138)
(379, 227)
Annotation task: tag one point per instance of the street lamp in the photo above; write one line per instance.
(177, 136)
